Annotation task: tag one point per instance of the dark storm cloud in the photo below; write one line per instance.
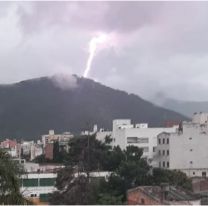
(116, 16)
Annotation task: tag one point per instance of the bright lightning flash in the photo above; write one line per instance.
(99, 40)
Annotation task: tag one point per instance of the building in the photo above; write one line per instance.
(185, 149)
(140, 135)
(161, 195)
(49, 148)
(38, 180)
(37, 186)
(11, 146)
(35, 150)
(52, 137)
(102, 134)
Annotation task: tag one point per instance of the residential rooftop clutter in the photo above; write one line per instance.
(161, 195)
(182, 147)
(185, 149)
(39, 179)
(51, 138)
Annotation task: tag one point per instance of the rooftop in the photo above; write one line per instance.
(169, 193)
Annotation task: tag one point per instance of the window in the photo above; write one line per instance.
(167, 164)
(191, 150)
(191, 162)
(131, 139)
(159, 141)
(47, 182)
(163, 141)
(159, 152)
(167, 140)
(142, 201)
(154, 149)
(30, 182)
(190, 138)
(163, 164)
(193, 173)
(204, 174)
(137, 140)
(167, 152)
(159, 164)
(163, 152)
(143, 140)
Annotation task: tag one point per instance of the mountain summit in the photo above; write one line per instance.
(70, 103)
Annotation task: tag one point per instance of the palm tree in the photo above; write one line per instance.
(10, 172)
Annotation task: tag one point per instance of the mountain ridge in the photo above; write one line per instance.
(31, 107)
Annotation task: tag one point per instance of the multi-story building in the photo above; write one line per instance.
(30, 149)
(37, 186)
(186, 149)
(49, 140)
(140, 135)
(52, 137)
(11, 146)
(36, 150)
(124, 134)
(49, 151)
(38, 181)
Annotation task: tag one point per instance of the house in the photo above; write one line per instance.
(161, 195)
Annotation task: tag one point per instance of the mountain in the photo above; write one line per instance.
(32, 107)
(187, 108)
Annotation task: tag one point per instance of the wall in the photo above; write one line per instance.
(37, 190)
(135, 198)
(49, 151)
(122, 132)
(188, 151)
(163, 146)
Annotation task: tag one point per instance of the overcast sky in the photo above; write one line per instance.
(160, 47)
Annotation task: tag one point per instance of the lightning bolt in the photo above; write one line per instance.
(93, 46)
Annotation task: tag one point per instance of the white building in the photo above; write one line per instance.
(36, 150)
(124, 134)
(186, 149)
(38, 185)
(101, 135)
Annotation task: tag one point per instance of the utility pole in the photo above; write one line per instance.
(88, 151)
(88, 156)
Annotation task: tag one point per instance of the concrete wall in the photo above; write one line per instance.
(122, 131)
(188, 150)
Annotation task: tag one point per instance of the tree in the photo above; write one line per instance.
(173, 177)
(128, 169)
(10, 172)
(73, 190)
(86, 152)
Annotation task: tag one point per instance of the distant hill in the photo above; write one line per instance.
(30, 108)
(187, 108)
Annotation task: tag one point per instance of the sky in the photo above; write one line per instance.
(158, 48)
